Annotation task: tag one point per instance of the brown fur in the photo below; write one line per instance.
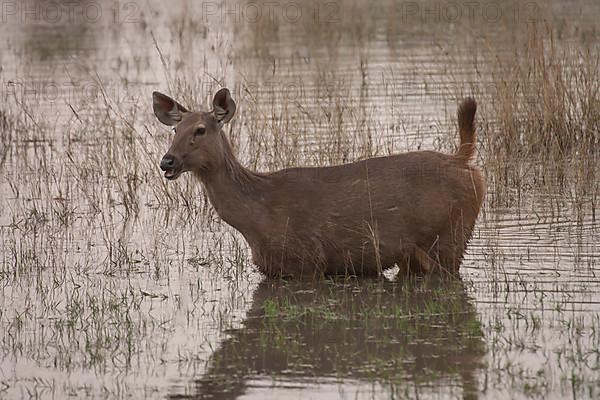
(416, 210)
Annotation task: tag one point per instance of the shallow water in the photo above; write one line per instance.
(117, 284)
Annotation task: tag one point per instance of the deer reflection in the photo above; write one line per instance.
(419, 332)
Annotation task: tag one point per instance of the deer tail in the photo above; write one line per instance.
(466, 127)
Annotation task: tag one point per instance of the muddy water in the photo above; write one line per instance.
(116, 284)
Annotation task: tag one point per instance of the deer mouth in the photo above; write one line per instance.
(172, 174)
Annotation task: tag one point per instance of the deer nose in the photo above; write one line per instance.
(167, 162)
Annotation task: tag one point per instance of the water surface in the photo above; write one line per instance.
(117, 284)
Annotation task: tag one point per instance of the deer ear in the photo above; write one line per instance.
(167, 110)
(223, 106)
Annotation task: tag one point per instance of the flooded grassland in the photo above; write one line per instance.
(118, 284)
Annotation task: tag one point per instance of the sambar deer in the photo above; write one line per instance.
(415, 210)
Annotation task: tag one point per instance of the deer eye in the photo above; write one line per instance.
(200, 131)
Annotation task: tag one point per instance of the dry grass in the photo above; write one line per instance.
(546, 130)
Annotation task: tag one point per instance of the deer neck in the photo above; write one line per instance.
(234, 192)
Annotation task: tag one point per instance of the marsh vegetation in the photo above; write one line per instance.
(116, 283)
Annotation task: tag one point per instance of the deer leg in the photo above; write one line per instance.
(428, 265)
